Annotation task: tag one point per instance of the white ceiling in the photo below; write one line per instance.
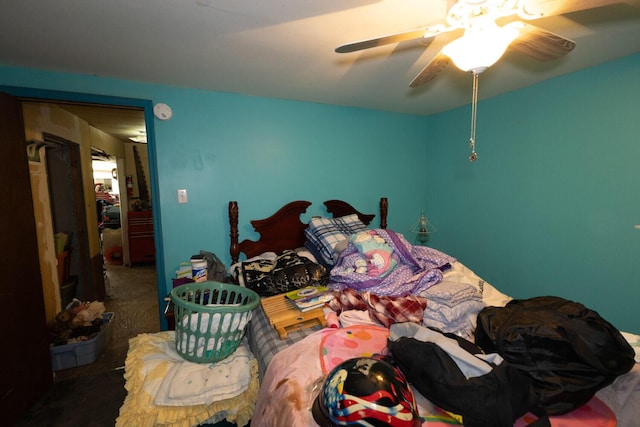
(285, 48)
(121, 123)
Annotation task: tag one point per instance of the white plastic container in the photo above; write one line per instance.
(199, 269)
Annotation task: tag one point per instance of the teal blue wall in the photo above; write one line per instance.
(262, 153)
(550, 205)
(265, 152)
(548, 208)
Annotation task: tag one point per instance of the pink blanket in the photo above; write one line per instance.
(295, 375)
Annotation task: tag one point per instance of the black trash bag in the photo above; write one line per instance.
(455, 374)
(567, 350)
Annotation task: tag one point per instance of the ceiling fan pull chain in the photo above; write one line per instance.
(474, 102)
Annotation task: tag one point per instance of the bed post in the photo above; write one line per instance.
(234, 249)
(384, 206)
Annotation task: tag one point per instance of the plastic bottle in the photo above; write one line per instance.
(199, 269)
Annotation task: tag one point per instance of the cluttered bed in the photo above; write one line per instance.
(352, 324)
(378, 282)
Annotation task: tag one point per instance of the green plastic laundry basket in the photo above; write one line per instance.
(211, 318)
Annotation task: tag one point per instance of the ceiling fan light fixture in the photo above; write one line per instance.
(481, 46)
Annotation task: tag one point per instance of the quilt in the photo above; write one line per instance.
(385, 263)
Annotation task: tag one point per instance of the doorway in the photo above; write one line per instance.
(106, 230)
(112, 105)
(31, 367)
(121, 176)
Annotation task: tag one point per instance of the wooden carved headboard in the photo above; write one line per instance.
(284, 230)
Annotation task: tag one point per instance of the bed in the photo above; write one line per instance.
(291, 368)
(281, 231)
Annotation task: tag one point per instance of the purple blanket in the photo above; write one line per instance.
(419, 267)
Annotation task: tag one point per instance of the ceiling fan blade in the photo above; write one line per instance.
(541, 8)
(430, 72)
(381, 41)
(541, 44)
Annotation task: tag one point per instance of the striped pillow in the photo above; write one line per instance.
(325, 233)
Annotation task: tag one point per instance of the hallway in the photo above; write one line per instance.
(91, 395)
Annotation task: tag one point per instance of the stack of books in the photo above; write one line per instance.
(309, 298)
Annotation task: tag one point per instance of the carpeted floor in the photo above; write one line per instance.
(91, 395)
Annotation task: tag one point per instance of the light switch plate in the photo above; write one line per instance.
(182, 196)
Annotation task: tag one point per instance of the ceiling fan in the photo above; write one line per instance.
(483, 40)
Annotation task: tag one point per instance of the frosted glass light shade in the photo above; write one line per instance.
(480, 47)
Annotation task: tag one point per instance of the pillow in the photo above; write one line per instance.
(325, 234)
(323, 238)
(341, 246)
(350, 224)
(312, 249)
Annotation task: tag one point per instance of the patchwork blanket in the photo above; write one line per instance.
(413, 270)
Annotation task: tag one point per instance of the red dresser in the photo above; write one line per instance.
(141, 246)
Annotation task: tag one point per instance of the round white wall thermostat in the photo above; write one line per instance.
(162, 111)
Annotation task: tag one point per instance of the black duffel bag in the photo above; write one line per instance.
(568, 351)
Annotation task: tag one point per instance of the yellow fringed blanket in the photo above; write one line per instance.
(163, 389)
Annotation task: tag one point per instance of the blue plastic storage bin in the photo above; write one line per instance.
(83, 352)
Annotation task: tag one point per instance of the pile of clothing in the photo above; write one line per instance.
(453, 307)
(79, 321)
